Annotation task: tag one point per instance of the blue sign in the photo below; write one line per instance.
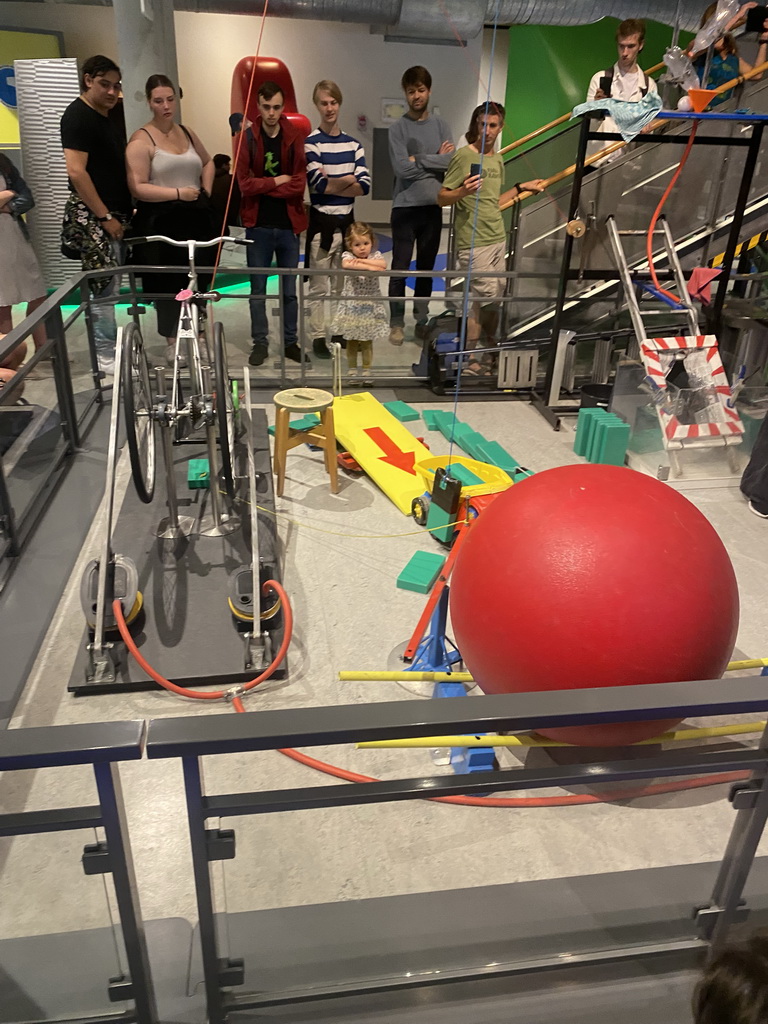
(7, 87)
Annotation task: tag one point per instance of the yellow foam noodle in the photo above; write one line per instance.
(353, 415)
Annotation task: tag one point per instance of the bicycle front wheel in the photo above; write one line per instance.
(137, 406)
(226, 411)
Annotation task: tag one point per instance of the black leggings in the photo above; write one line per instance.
(420, 225)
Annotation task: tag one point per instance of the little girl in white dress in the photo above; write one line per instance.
(361, 322)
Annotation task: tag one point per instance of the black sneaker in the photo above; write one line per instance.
(320, 348)
(759, 509)
(294, 353)
(339, 339)
(258, 355)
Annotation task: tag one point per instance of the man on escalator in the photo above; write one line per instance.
(625, 80)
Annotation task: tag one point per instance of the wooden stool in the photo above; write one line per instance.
(305, 400)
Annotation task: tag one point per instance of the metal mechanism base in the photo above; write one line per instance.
(187, 631)
(167, 531)
(229, 524)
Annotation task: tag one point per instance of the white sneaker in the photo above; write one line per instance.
(106, 365)
(352, 371)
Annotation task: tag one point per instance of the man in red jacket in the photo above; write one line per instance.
(272, 175)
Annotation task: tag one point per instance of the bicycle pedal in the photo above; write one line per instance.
(136, 310)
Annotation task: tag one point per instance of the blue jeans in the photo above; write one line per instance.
(283, 244)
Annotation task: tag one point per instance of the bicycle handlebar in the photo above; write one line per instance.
(189, 243)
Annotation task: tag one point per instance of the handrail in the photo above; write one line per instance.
(558, 121)
(353, 723)
(56, 746)
(614, 147)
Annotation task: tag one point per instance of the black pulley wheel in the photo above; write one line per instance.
(137, 406)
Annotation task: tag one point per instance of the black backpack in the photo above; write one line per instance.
(609, 73)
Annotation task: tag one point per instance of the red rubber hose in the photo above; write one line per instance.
(348, 776)
(657, 214)
(117, 610)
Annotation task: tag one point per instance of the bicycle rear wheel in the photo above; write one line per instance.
(137, 406)
(226, 412)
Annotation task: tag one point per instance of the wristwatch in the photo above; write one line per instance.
(102, 219)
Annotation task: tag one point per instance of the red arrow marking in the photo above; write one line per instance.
(393, 455)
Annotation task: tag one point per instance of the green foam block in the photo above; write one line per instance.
(446, 424)
(303, 423)
(493, 452)
(198, 474)
(611, 448)
(465, 476)
(585, 426)
(430, 417)
(401, 411)
(421, 572)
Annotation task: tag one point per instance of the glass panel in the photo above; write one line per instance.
(31, 439)
(338, 896)
(58, 946)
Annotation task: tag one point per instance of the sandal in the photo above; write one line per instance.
(476, 369)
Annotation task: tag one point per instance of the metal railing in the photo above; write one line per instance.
(192, 738)
(102, 746)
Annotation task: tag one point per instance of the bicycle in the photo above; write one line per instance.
(211, 402)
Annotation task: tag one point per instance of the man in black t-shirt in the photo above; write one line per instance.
(272, 175)
(99, 203)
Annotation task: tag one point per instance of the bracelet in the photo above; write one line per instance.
(177, 194)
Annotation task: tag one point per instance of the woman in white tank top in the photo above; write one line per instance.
(170, 175)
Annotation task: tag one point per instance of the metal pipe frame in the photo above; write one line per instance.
(102, 746)
(190, 738)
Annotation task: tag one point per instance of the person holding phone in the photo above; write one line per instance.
(625, 80)
(473, 183)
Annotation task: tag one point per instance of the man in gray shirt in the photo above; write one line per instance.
(420, 149)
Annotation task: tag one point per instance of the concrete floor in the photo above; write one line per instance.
(342, 555)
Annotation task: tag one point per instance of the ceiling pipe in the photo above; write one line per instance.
(441, 20)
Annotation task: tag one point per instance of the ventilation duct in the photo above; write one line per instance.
(584, 12)
(441, 20)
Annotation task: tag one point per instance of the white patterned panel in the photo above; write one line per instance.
(44, 89)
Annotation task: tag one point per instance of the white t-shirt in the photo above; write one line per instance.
(626, 85)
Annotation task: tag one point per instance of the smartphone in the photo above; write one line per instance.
(474, 170)
(605, 84)
(755, 18)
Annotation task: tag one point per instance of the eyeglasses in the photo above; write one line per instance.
(108, 86)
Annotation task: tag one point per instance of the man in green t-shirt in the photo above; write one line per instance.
(473, 182)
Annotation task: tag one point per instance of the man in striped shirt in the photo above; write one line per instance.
(336, 173)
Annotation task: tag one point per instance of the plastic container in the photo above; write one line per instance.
(596, 396)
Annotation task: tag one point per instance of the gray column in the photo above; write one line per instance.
(146, 45)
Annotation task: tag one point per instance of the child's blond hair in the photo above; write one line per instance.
(359, 229)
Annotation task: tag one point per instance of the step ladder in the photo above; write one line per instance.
(694, 417)
(686, 311)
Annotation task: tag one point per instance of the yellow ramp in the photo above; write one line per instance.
(385, 448)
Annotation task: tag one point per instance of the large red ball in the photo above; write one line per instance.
(587, 576)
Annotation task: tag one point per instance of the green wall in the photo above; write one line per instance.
(550, 67)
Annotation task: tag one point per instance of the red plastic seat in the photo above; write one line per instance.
(268, 69)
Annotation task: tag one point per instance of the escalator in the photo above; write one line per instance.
(699, 212)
